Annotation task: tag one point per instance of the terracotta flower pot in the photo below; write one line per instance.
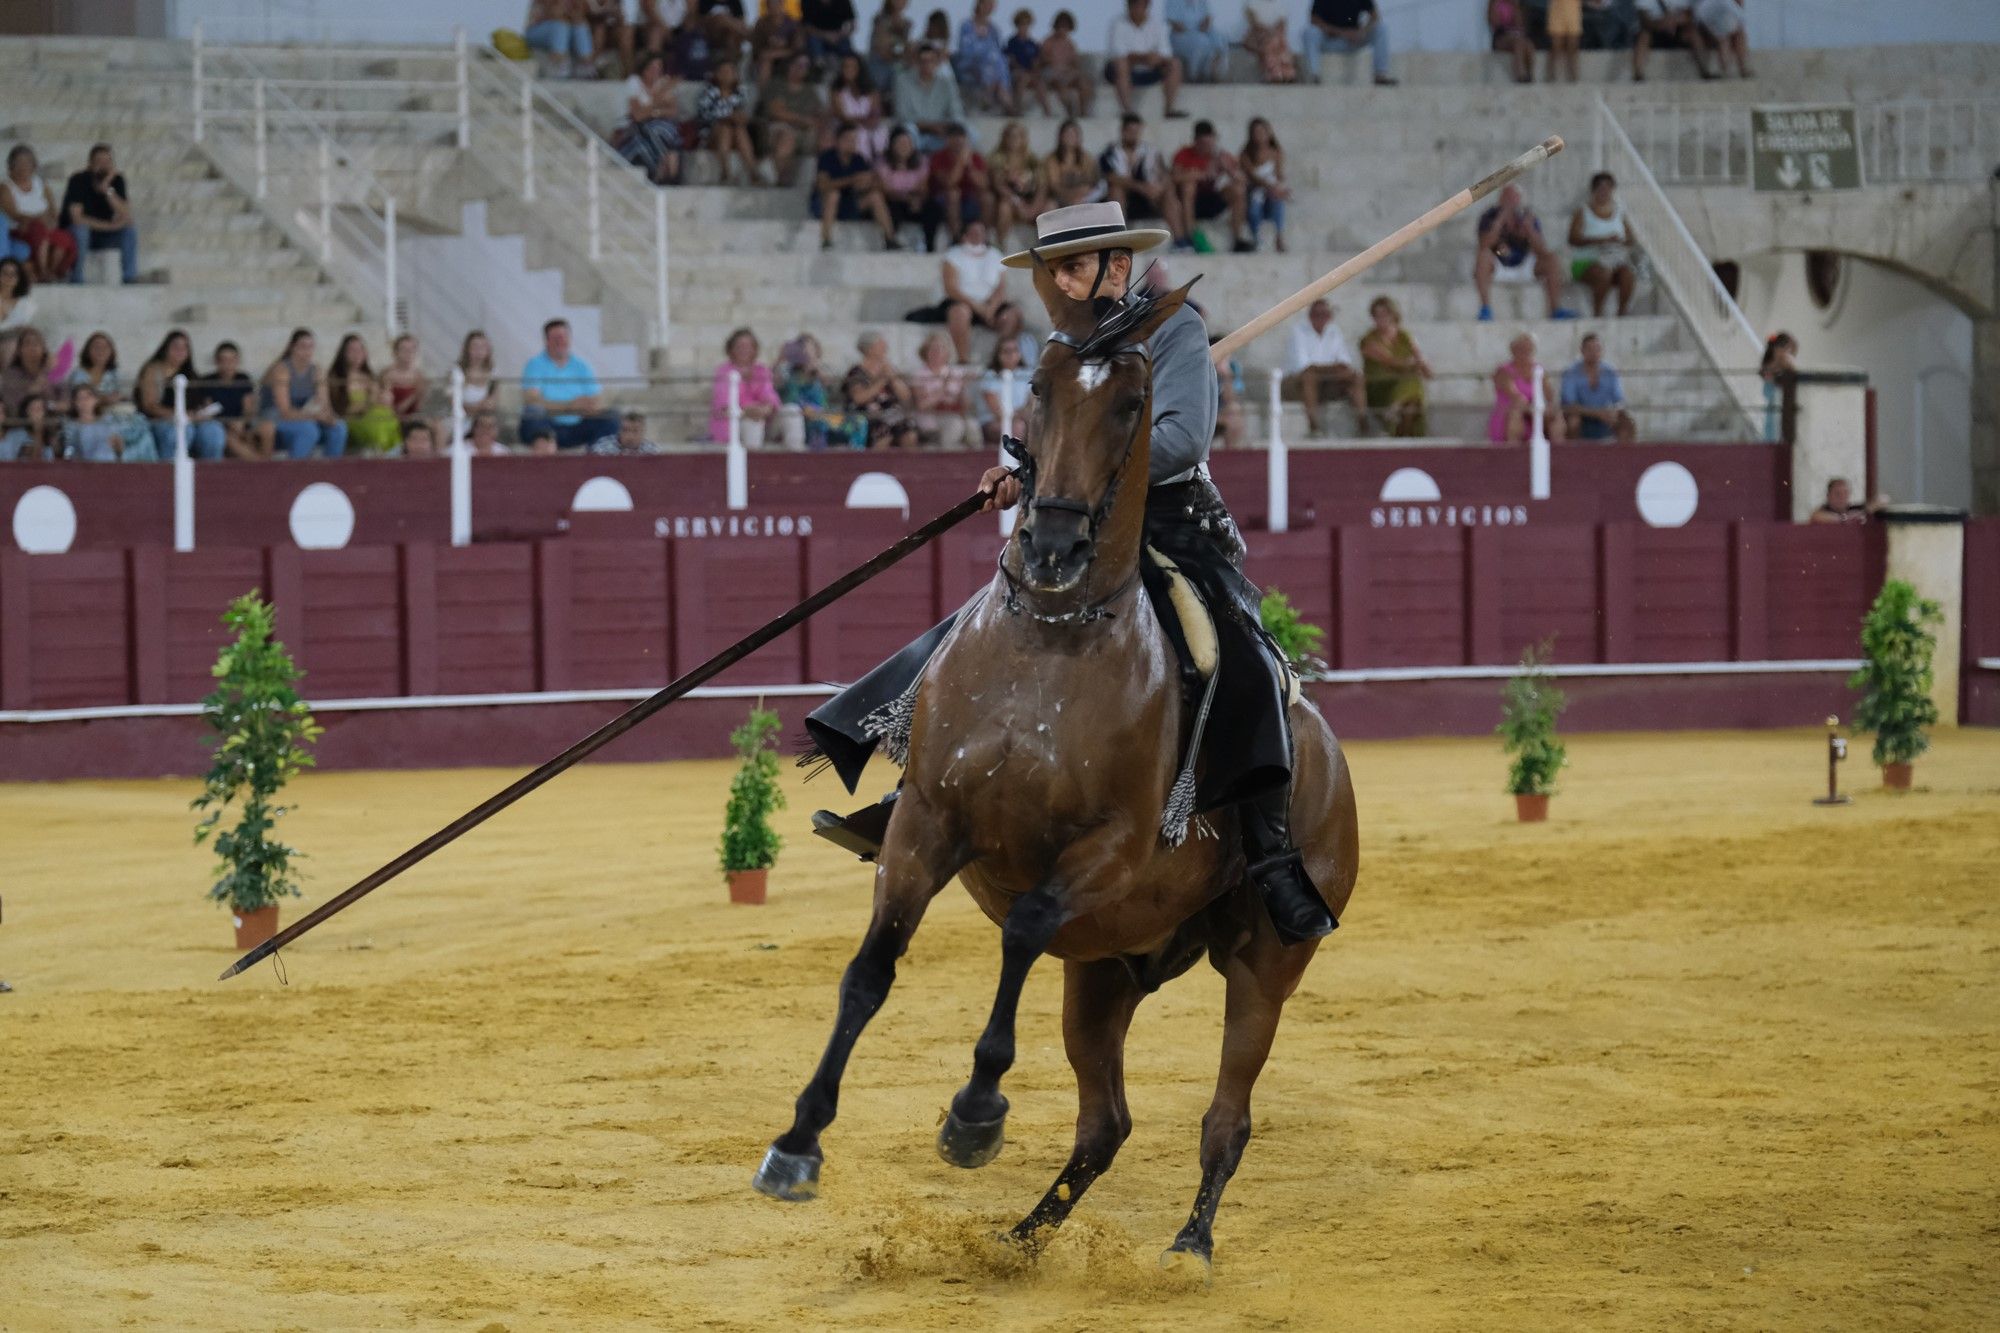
(253, 928)
(1896, 777)
(747, 886)
(1531, 808)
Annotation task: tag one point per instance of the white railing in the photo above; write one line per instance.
(1915, 141)
(410, 91)
(1725, 337)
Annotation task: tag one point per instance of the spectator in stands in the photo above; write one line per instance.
(882, 396)
(31, 213)
(1009, 325)
(807, 404)
(1593, 399)
(725, 123)
(97, 369)
(981, 62)
(1507, 21)
(17, 307)
(1510, 235)
(1601, 249)
(788, 116)
(226, 392)
(1024, 55)
(959, 186)
(1839, 506)
(628, 441)
(561, 397)
(756, 394)
(483, 436)
(775, 38)
(174, 356)
(1565, 31)
(1394, 370)
(1136, 177)
(560, 29)
(938, 394)
(1018, 196)
(846, 189)
(854, 98)
(970, 279)
(905, 181)
(1230, 424)
(418, 441)
(1138, 54)
(829, 29)
(1319, 362)
(293, 400)
(357, 398)
(1263, 164)
(1195, 42)
(404, 385)
(90, 437)
(1265, 37)
(609, 30)
(1780, 363)
(1001, 394)
(889, 43)
(1513, 418)
(1210, 183)
(97, 210)
(1668, 20)
(927, 99)
(937, 31)
(24, 391)
(1070, 175)
(475, 364)
(1061, 70)
(650, 135)
(1721, 25)
(1345, 26)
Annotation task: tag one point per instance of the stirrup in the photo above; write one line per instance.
(861, 832)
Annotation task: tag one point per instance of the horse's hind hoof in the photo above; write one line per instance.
(791, 1176)
(970, 1143)
(1189, 1262)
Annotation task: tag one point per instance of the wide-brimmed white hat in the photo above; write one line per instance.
(1086, 228)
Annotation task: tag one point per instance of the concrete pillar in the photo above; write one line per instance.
(1986, 415)
(1927, 551)
(1828, 428)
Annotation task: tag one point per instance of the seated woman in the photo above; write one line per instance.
(28, 207)
(355, 397)
(26, 427)
(938, 395)
(1071, 174)
(1263, 163)
(1507, 20)
(756, 395)
(774, 39)
(853, 99)
(650, 135)
(802, 389)
(560, 30)
(725, 122)
(97, 369)
(1393, 370)
(1264, 36)
(404, 383)
(1601, 246)
(1513, 417)
(1016, 174)
(876, 390)
(174, 356)
(981, 62)
(1001, 395)
(293, 400)
(904, 178)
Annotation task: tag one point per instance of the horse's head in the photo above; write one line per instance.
(1093, 413)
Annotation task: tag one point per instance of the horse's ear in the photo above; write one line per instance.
(1071, 316)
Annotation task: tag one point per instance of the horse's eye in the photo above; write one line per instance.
(1035, 386)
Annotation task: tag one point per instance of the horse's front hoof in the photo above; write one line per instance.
(970, 1143)
(1184, 1260)
(791, 1176)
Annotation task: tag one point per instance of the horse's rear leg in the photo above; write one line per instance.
(1260, 976)
(1098, 1002)
(917, 860)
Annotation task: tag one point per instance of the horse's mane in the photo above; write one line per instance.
(1119, 319)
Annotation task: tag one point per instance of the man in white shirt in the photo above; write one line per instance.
(972, 290)
(1319, 360)
(1138, 52)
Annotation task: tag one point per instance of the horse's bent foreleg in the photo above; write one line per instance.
(1260, 976)
(1098, 1003)
(973, 1131)
(916, 862)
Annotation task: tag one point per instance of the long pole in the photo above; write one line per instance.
(615, 728)
(1385, 247)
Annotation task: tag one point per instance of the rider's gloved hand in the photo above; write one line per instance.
(1002, 488)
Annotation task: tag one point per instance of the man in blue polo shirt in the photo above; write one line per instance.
(554, 378)
(1593, 401)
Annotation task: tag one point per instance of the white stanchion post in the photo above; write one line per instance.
(263, 153)
(462, 73)
(183, 471)
(660, 266)
(461, 465)
(200, 110)
(1538, 447)
(1278, 464)
(389, 293)
(1007, 516)
(594, 200)
(737, 462)
(527, 139)
(325, 199)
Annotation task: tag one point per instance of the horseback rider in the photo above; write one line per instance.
(1089, 250)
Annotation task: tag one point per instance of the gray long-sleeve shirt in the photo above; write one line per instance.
(1184, 397)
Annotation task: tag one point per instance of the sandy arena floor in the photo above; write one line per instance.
(1695, 1054)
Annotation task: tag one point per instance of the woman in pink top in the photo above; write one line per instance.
(756, 395)
(905, 178)
(1513, 419)
(853, 97)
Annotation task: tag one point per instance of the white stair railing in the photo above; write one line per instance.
(1724, 336)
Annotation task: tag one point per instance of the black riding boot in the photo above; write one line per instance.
(1279, 872)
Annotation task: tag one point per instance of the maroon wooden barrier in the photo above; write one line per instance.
(1979, 690)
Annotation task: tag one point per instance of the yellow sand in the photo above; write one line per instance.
(1695, 1054)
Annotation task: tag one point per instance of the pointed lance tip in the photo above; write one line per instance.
(247, 960)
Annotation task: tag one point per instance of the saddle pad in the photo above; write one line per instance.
(1197, 624)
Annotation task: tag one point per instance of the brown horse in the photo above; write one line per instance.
(1045, 738)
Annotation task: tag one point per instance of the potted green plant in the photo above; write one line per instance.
(262, 730)
(749, 843)
(1897, 642)
(1298, 639)
(1529, 707)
